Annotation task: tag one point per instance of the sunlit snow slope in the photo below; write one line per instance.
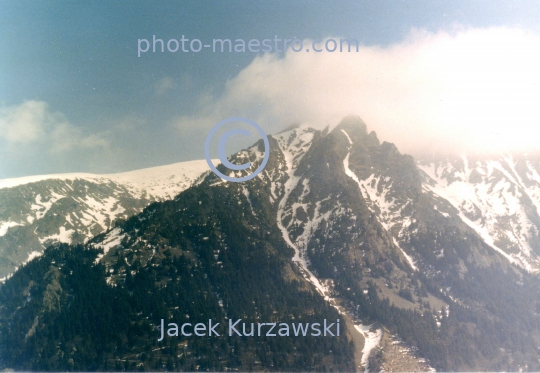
(499, 197)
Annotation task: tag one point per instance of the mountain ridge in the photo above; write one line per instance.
(337, 215)
(36, 211)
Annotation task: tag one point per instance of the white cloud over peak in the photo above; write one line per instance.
(472, 90)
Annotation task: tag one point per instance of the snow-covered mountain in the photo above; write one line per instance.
(498, 197)
(430, 264)
(37, 211)
(350, 205)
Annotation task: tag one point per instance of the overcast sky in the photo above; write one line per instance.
(430, 76)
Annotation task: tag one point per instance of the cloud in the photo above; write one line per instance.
(165, 85)
(32, 123)
(468, 90)
(35, 139)
(26, 123)
(66, 137)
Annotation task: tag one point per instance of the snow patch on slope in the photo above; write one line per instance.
(31, 256)
(63, 236)
(371, 340)
(112, 239)
(292, 156)
(4, 227)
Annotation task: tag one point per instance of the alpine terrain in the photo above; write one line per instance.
(37, 211)
(429, 264)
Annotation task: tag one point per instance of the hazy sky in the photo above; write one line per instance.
(429, 76)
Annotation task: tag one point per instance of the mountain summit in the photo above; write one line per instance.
(338, 225)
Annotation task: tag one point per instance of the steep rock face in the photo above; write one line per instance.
(369, 231)
(38, 211)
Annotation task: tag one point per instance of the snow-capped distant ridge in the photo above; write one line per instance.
(159, 181)
(14, 182)
(163, 181)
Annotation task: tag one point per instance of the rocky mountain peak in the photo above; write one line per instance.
(409, 254)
